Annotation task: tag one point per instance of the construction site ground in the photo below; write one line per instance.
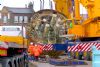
(41, 64)
(38, 64)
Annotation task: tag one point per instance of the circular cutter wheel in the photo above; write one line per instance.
(46, 26)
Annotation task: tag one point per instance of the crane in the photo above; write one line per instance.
(60, 6)
(90, 28)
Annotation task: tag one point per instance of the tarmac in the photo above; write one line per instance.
(38, 64)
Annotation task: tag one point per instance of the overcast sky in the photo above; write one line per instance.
(21, 3)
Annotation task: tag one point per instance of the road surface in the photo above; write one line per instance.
(37, 64)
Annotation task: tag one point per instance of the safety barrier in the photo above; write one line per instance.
(47, 47)
(57, 47)
(84, 49)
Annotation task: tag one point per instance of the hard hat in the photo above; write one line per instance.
(35, 44)
(31, 43)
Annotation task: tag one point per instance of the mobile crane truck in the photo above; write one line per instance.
(88, 31)
(12, 44)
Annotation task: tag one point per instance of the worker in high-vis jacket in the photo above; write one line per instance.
(37, 50)
(41, 48)
(30, 49)
(30, 52)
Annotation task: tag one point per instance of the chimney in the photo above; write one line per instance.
(25, 5)
(30, 5)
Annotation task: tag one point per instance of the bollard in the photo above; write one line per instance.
(80, 55)
(77, 53)
(88, 56)
(72, 54)
(84, 55)
(69, 54)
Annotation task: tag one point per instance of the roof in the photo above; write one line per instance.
(20, 10)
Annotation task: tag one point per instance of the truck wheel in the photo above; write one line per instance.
(22, 62)
(9, 64)
(19, 64)
(15, 64)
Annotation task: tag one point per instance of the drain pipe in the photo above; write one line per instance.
(51, 5)
(43, 4)
(40, 5)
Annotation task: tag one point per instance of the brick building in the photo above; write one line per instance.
(16, 16)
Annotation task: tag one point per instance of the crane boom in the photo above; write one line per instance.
(64, 6)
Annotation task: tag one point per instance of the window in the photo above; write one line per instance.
(16, 19)
(3, 29)
(5, 19)
(20, 19)
(10, 29)
(8, 15)
(25, 19)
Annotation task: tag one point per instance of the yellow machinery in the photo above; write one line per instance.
(16, 39)
(13, 44)
(85, 30)
(63, 6)
(13, 34)
(88, 28)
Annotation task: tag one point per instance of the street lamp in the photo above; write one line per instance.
(23, 32)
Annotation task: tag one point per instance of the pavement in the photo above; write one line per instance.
(38, 64)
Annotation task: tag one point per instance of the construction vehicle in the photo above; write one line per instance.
(13, 43)
(86, 30)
